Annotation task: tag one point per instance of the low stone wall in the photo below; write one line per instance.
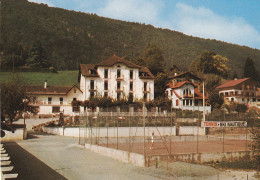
(19, 134)
(207, 157)
(127, 157)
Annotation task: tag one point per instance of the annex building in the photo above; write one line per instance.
(244, 91)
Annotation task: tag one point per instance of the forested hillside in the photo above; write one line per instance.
(70, 38)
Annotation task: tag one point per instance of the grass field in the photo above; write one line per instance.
(62, 78)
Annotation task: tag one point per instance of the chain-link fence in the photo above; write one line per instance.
(131, 129)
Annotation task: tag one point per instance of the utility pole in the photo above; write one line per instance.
(204, 118)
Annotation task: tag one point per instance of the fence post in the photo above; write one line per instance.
(117, 134)
(144, 127)
(129, 138)
(223, 140)
(107, 132)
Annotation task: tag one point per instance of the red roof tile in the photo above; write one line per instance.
(115, 59)
(50, 90)
(179, 84)
(199, 95)
(232, 83)
(178, 96)
(86, 68)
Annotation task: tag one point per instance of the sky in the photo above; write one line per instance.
(232, 21)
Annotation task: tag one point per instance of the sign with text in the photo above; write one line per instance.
(223, 124)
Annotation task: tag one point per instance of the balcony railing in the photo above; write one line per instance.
(188, 95)
(147, 90)
(121, 78)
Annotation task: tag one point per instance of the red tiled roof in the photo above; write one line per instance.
(115, 59)
(149, 75)
(199, 95)
(232, 83)
(179, 84)
(178, 96)
(85, 68)
(50, 90)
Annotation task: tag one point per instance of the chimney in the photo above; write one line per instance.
(45, 84)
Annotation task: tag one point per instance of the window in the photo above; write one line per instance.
(49, 100)
(118, 95)
(106, 73)
(92, 94)
(118, 85)
(131, 97)
(145, 96)
(61, 101)
(243, 99)
(92, 84)
(75, 109)
(131, 74)
(118, 73)
(105, 94)
(75, 90)
(131, 86)
(177, 102)
(232, 99)
(145, 86)
(254, 99)
(55, 109)
(105, 85)
(74, 99)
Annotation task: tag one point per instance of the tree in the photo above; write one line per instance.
(160, 84)
(37, 57)
(249, 70)
(153, 58)
(216, 100)
(12, 96)
(211, 63)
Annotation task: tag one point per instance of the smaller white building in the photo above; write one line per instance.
(185, 94)
(48, 100)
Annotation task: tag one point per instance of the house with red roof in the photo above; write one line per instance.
(53, 99)
(117, 78)
(183, 90)
(244, 91)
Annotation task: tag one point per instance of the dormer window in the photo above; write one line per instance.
(118, 66)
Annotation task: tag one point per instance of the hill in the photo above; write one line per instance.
(70, 38)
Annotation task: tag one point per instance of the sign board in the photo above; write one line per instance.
(223, 124)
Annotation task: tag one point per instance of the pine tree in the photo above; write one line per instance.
(37, 57)
(249, 70)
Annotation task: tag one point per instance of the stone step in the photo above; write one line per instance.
(4, 155)
(3, 151)
(8, 168)
(9, 176)
(5, 158)
(5, 163)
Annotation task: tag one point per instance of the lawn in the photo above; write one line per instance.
(62, 78)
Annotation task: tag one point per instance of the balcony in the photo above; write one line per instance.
(146, 90)
(121, 78)
(187, 95)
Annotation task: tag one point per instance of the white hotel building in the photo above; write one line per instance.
(116, 78)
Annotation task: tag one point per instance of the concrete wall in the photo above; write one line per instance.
(209, 157)
(19, 134)
(111, 131)
(191, 130)
(124, 131)
(133, 158)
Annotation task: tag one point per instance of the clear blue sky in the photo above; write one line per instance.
(233, 21)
